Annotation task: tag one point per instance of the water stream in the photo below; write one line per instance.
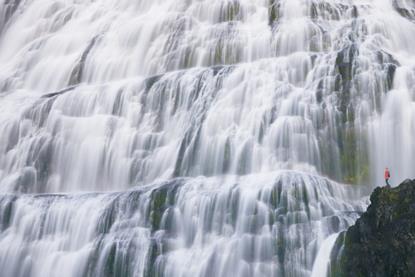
(196, 137)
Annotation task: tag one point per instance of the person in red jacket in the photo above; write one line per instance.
(387, 176)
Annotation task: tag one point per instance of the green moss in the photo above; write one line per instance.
(273, 12)
(346, 70)
(354, 158)
(110, 265)
(154, 252)
(280, 248)
(379, 244)
(108, 217)
(158, 206)
(188, 58)
(274, 196)
(233, 205)
(161, 199)
(232, 11)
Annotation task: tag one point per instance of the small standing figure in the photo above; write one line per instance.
(387, 176)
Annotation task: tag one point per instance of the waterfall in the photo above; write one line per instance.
(202, 226)
(198, 137)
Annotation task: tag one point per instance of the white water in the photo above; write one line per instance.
(321, 264)
(111, 96)
(268, 226)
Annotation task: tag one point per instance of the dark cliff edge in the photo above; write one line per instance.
(382, 242)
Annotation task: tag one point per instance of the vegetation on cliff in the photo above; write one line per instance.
(382, 242)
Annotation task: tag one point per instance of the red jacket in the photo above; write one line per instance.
(387, 174)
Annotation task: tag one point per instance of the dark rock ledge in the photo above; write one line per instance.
(382, 242)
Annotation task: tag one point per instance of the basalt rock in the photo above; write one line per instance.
(382, 242)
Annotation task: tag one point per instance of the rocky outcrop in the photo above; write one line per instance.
(382, 242)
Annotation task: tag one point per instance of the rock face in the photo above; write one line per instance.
(382, 242)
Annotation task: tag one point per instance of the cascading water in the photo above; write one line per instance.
(198, 137)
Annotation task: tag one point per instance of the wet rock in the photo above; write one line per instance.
(149, 82)
(77, 72)
(382, 242)
(273, 11)
(6, 207)
(57, 93)
(355, 12)
(405, 8)
(345, 67)
(230, 11)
